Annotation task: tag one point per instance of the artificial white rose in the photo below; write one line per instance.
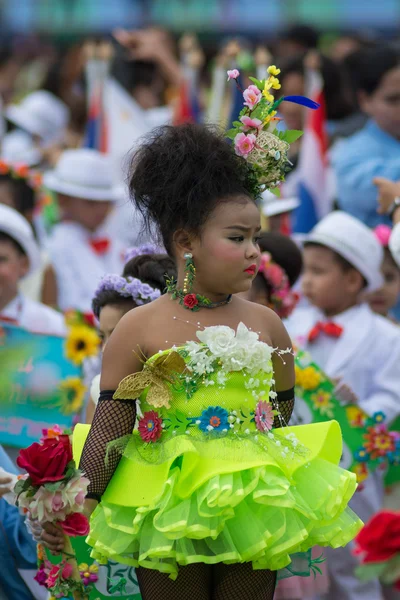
(245, 336)
(260, 358)
(237, 359)
(220, 339)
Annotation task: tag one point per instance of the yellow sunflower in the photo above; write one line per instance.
(73, 395)
(81, 343)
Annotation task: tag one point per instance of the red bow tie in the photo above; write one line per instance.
(4, 319)
(100, 245)
(330, 329)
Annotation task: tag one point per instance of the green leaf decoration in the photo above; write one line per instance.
(178, 422)
(53, 486)
(231, 134)
(291, 136)
(276, 191)
(258, 83)
(237, 124)
(247, 418)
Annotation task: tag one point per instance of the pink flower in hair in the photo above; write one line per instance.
(382, 234)
(244, 144)
(233, 74)
(252, 96)
(249, 123)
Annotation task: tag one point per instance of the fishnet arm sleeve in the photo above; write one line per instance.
(112, 420)
(285, 405)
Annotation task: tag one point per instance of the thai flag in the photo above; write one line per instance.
(96, 134)
(187, 108)
(312, 176)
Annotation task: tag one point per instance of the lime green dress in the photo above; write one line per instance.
(207, 478)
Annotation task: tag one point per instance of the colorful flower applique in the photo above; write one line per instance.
(214, 418)
(264, 416)
(150, 426)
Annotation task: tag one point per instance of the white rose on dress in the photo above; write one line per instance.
(245, 336)
(220, 339)
(237, 359)
(260, 358)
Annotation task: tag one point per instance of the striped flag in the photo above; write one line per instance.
(312, 175)
(96, 134)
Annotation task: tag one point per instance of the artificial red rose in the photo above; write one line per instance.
(190, 301)
(46, 462)
(75, 524)
(379, 539)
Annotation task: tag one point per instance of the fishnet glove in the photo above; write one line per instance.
(112, 420)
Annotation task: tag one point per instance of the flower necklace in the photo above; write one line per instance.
(191, 301)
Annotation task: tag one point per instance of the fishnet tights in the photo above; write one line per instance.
(112, 419)
(206, 582)
(285, 408)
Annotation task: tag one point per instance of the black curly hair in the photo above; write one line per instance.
(180, 174)
(149, 268)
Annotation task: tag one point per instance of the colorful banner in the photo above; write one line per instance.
(112, 580)
(39, 386)
(367, 443)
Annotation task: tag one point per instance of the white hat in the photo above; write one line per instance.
(355, 242)
(18, 147)
(40, 113)
(84, 174)
(271, 205)
(17, 227)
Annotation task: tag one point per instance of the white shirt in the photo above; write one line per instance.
(34, 316)
(366, 356)
(78, 267)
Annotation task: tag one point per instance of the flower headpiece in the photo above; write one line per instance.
(128, 287)
(255, 137)
(283, 299)
(32, 177)
(135, 251)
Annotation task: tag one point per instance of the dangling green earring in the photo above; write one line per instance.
(190, 273)
(185, 296)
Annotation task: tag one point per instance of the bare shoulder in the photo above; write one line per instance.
(267, 322)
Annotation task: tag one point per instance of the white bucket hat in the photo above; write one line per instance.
(271, 205)
(17, 227)
(40, 113)
(84, 174)
(354, 241)
(18, 148)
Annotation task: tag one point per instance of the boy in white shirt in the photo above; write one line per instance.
(19, 257)
(81, 247)
(353, 345)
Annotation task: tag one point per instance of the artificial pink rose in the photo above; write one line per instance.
(53, 576)
(252, 96)
(249, 123)
(244, 144)
(48, 506)
(67, 571)
(233, 74)
(48, 461)
(75, 524)
(74, 492)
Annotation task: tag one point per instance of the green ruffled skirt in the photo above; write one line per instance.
(223, 501)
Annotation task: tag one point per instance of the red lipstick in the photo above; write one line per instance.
(251, 270)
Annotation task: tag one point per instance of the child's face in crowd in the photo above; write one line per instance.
(6, 196)
(88, 213)
(109, 317)
(382, 301)
(13, 266)
(226, 253)
(383, 105)
(325, 282)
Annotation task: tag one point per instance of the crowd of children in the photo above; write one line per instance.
(336, 290)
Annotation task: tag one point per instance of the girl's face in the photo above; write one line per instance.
(109, 317)
(382, 301)
(383, 105)
(226, 253)
(13, 266)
